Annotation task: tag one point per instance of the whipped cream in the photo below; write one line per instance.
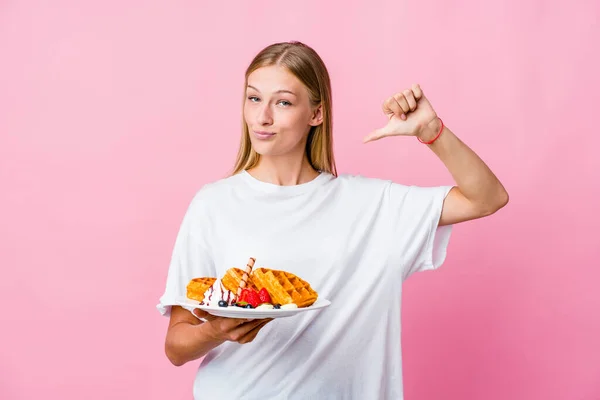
(289, 306)
(216, 293)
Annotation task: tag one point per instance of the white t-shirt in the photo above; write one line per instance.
(354, 239)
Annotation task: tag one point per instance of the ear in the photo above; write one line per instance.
(317, 116)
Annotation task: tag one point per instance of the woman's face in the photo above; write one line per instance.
(278, 112)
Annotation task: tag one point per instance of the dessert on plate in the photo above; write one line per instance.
(262, 288)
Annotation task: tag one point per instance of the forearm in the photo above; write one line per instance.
(186, 342)
(475, 180)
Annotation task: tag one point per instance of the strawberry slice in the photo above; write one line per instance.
(243, 296)
(253, 298)
(264, 296)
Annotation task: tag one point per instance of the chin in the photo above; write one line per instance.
(267, 152)
(264, 149)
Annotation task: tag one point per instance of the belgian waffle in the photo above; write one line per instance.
(284, 287)
(232, 278)
(198, 286)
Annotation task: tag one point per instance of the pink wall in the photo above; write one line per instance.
(112, 116)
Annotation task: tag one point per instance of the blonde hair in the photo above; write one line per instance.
(304, 63)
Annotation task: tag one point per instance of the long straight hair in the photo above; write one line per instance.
(304, 63)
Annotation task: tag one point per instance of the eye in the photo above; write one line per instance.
(253, 99)
(285, 103)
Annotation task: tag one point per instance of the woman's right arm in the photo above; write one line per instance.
(188, 338)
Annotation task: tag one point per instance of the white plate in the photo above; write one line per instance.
(251, 313)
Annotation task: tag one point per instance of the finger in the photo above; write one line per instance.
(236, 334)
(402, 102)
(240, 330)
(222, 328)
(229, 325)
(203, 314)
(375, 135)
(391, 106)
(251, 335)
(416, 89)
(410, 99)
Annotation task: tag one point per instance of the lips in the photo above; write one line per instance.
(263, 135)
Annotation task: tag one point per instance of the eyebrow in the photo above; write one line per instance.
(279, 91)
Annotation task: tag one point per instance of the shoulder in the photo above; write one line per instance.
(211, 194)
(360, 189)
(364, 185)
(218, 187)
(360, 182)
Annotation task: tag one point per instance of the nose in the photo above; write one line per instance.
(264, 115)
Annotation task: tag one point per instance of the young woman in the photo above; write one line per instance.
(354, 239)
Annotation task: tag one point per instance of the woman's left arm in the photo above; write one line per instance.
(478, 193)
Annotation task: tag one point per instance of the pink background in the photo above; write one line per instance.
(113, 114)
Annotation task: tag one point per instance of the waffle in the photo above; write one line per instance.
(232, 278)
(284, 287)
(198, 286)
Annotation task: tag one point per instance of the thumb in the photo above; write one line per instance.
(376, 134)
(200, 313)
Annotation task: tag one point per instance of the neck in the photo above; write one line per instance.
(284, 171)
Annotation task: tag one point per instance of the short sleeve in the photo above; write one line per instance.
(190, 257)
(417, 239)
